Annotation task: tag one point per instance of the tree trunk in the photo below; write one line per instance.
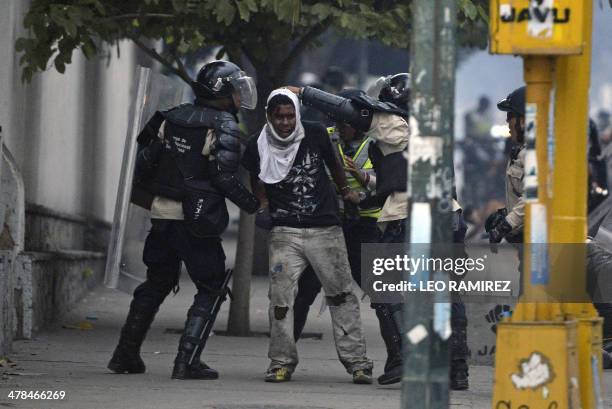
(238, 323)
(239, 315)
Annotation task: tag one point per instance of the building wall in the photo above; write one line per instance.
(65, 134)
(66, 131)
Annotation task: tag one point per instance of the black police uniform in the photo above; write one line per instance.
(162, 169)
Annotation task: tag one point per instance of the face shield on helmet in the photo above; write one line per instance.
(244, 89)
(397, 88)
(381, 82)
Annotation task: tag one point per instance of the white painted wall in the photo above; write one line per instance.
(66, 131)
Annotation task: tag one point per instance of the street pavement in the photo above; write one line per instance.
(72, 357)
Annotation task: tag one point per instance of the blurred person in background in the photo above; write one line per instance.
(479, 153)
(604, 128)
(597, 174)
(603, 120)
(334, 80)
(308, 114)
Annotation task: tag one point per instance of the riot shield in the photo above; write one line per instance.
(131, 223)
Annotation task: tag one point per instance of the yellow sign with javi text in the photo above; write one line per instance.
(545, 27)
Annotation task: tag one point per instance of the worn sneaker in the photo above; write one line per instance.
(362, 376)
(278, 375)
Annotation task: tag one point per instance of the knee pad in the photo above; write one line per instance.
(199, 311)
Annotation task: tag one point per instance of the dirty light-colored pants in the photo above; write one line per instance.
(291, 250)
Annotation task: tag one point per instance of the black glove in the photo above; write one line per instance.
(351, 213)
(499, 232)
(495, 218)
(371, 200)
(263, 219)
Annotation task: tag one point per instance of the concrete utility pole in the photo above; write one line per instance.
(430, 184)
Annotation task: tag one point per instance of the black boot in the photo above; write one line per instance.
(184, 366)
(459, 354)
(389, 330)
(199, 370)
(126, 357)
(459, 375)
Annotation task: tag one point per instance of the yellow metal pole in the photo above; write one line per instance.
(569, 219)
(538, 72)
(556, 337)
(536, 335)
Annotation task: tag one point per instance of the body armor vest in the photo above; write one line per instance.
(185, 131)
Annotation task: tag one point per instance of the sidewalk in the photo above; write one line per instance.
(75, 361)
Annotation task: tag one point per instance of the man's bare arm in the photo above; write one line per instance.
(339, 177)
(258, 190)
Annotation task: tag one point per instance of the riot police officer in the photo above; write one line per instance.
(188, 162)
(508, 222)
(396, 90)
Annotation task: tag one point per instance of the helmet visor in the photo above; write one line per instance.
(244, 86)
(374, 89)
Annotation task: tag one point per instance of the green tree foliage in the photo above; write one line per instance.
(271, 34)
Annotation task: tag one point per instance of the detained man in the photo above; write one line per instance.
(287, 165)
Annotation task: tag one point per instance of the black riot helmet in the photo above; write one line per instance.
(514, 102)
(396, 89)
(223, 79)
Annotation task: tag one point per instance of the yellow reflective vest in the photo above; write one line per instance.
(363, 162)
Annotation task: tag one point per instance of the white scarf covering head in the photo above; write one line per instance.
(276, 154)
